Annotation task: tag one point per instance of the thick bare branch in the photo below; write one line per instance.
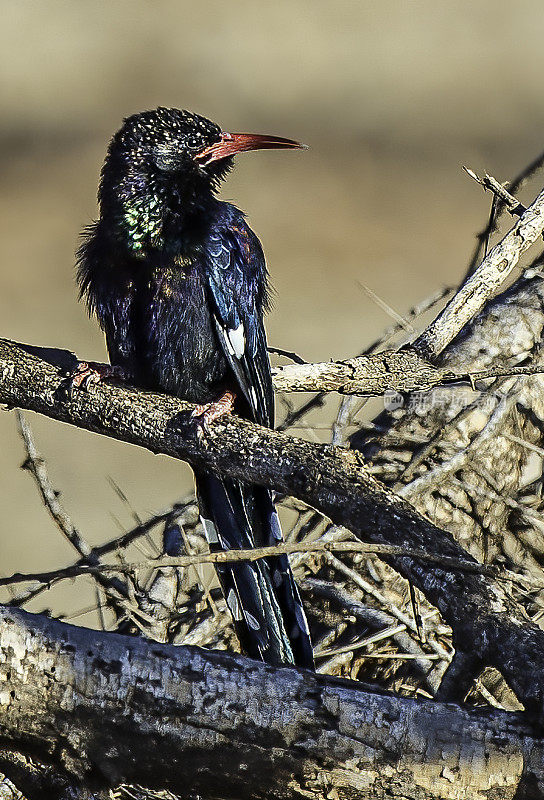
(365, 375)
(107, 709)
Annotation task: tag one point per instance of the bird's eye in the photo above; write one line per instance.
(193, 142)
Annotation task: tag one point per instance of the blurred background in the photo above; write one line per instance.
(392, 97)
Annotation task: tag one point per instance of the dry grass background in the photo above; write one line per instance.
(392, 97)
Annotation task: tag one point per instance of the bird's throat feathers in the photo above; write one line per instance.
(142, 224)
(154, 210)
(147, 217)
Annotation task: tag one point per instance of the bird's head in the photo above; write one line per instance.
(168, 159)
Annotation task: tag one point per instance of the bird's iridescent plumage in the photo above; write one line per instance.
(179, 284)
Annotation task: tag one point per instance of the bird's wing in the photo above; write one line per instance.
(236, 275)
(263, 596)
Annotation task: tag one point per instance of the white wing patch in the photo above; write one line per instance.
(301, 618)
(251, 621)
(275, 526)
(236, 341)
(210, 531)
(234, 605)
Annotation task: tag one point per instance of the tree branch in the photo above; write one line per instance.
(107, 709)
(372, 375)
(485, 500)
(483, 283)
(256, 553)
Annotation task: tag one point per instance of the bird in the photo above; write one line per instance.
(178, 282)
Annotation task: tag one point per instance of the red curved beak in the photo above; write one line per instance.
(232, 143)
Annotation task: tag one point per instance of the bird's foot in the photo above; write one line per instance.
(89, 373)
(207, 413)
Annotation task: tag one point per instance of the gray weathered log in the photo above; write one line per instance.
(107, 709)
(485, 619)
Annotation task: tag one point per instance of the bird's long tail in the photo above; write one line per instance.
(262, 595)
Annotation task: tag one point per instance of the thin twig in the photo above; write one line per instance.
(287, 354)
(401, 322)
(372, 639)
(497, 209)
(122, 542)
(234, 556)
(433, 477)
(490, 183)
(35, 464)
(385, 602)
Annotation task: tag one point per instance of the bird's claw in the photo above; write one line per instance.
(207, 413)
(89, 373)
